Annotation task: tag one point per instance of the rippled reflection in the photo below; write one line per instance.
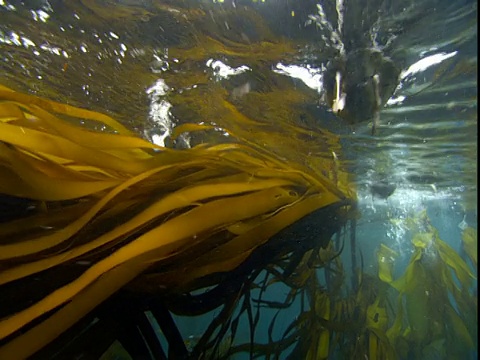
(111, 57)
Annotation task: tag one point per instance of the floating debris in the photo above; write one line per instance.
(382, 189)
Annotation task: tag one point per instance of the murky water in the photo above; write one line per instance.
(157, 64)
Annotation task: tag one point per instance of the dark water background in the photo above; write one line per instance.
(130, 59)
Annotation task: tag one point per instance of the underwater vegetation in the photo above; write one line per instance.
(244, 220)
(435, 314)
(428, 311)
(110, 227)
(111, 209)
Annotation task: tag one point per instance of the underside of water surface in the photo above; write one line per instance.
(249, 179)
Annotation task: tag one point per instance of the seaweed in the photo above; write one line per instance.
(123, 237)
(154, 219)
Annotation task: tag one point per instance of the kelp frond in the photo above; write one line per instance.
(125, 205)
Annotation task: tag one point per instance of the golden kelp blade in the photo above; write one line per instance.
(171, 236)
(169, 201)
(436, 274)
(469, 242)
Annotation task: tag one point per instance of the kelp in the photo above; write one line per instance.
(469, 244)
(186, 215)
(435, 300)
(428, 311)
(212, 227)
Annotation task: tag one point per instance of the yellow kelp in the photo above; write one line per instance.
(469, 242)
(111, 205)
(428, 312)
(436, 311)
